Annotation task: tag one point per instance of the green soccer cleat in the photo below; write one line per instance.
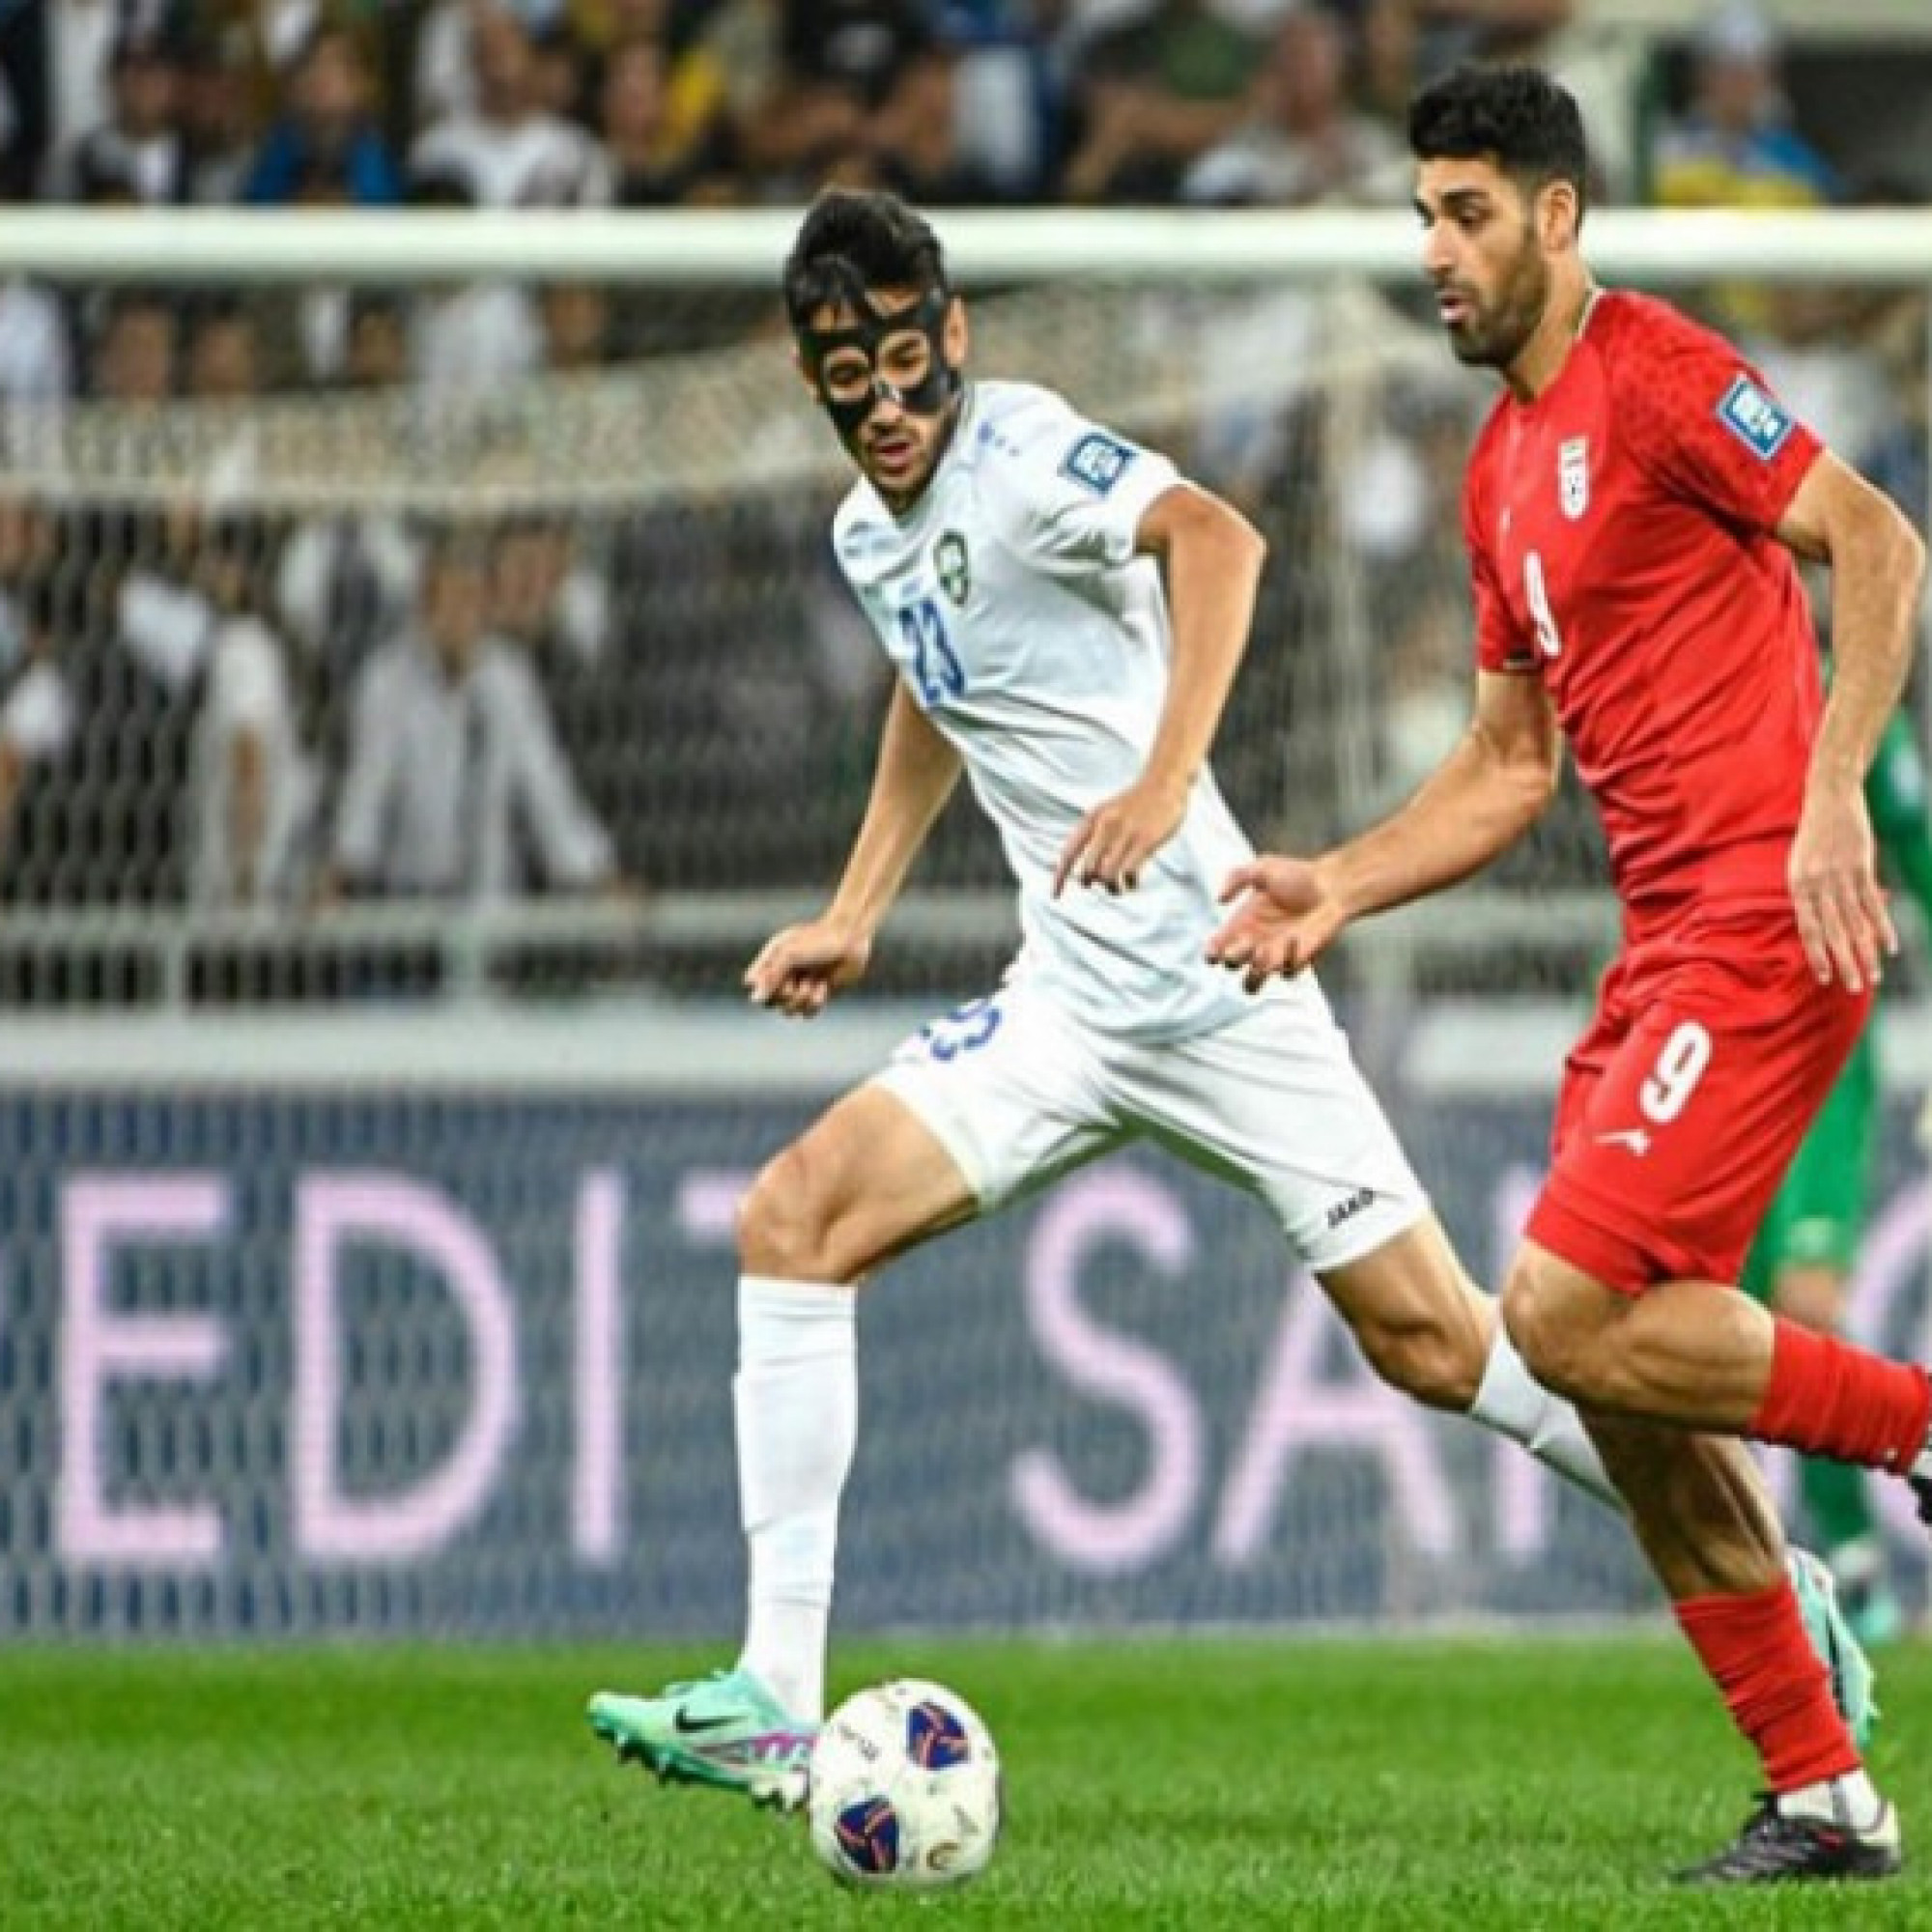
(726, 1730)
(1866, 1594)
(1854, 1681)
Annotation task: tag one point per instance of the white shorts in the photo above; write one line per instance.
(1018, 1092)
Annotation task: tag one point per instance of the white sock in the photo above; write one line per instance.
(1851, 1802)
(1514, 1403)
(796, 1399)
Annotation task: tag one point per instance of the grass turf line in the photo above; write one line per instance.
(1472, 1786)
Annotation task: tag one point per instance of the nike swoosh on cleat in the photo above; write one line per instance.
(689, 1726)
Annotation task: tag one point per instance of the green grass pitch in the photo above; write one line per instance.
(1407, 1786)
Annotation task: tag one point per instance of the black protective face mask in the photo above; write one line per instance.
(931, 394)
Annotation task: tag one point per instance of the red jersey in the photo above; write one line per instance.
(1619, 528)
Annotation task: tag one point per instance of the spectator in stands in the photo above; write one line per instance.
(344, 583)
(578, 337)
(560, 78)
(325, 153)
(375, 344)
(1152, 94)
(1302, 143)
(729, 75)
(141, 149)
(222, 364)
(468, 340)
(36, 362)
(25, 101)
(38, 718)
(1490, 30)
(839, 61)
(918, 140)
(266, 37)
(219, 118)
(444, 64)
(546, 596)
(718, 75)
(55, 57)
(509, 150)
(40, 723)
(252, 785)
(163, 620)
(1397, 510)
(1734, 146)
(1387, 57)
(1604, 62)
(134, 350)
(1008, 82)
(136, 678)
(454, 768)
(157, 619)
(223, 352)
(653, 156)
(328, 133)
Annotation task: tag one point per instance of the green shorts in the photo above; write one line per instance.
(1819, 1215)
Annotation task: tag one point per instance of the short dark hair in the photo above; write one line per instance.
(1516, 116)
(854, 239)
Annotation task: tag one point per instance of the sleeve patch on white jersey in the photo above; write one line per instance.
(1097, 461)
(1753, 418)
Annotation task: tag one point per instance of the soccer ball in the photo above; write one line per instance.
(904, 1788)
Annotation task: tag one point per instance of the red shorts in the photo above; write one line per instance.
(1685, 1100)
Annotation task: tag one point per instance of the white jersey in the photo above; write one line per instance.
(1011, 602)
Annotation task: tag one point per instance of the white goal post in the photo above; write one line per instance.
(1664, 248)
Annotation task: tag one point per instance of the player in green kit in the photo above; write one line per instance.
(1804, 1253)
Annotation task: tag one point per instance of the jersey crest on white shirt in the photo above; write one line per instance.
(1013, 603)
(950, 562)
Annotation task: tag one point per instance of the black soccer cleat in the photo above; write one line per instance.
(1773, 1849)
(1921, 1494)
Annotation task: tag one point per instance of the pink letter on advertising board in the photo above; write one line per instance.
(338, 1210)
(100, 1345)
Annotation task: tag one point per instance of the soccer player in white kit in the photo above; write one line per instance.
(1066, 614)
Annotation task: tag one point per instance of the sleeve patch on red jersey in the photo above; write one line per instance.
(1753, 418)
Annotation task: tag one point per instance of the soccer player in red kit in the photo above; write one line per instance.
(1631, 510)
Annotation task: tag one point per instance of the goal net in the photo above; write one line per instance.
(342, 1297)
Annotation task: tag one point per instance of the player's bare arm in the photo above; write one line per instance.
(798, 969)
(1210, 558)
(1878, 568)
(1488, 791)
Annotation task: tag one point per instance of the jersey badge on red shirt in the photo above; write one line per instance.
(1753, 418)
(1573, 475)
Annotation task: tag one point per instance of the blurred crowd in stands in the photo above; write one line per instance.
(649, 103)
(209, 705)
(633, 103)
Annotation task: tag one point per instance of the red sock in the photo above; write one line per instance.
(1830, 1399)
(1755, 1651)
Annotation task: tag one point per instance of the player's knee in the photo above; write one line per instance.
(784, 1227)
(1556, 1347)
(1436, 1365)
